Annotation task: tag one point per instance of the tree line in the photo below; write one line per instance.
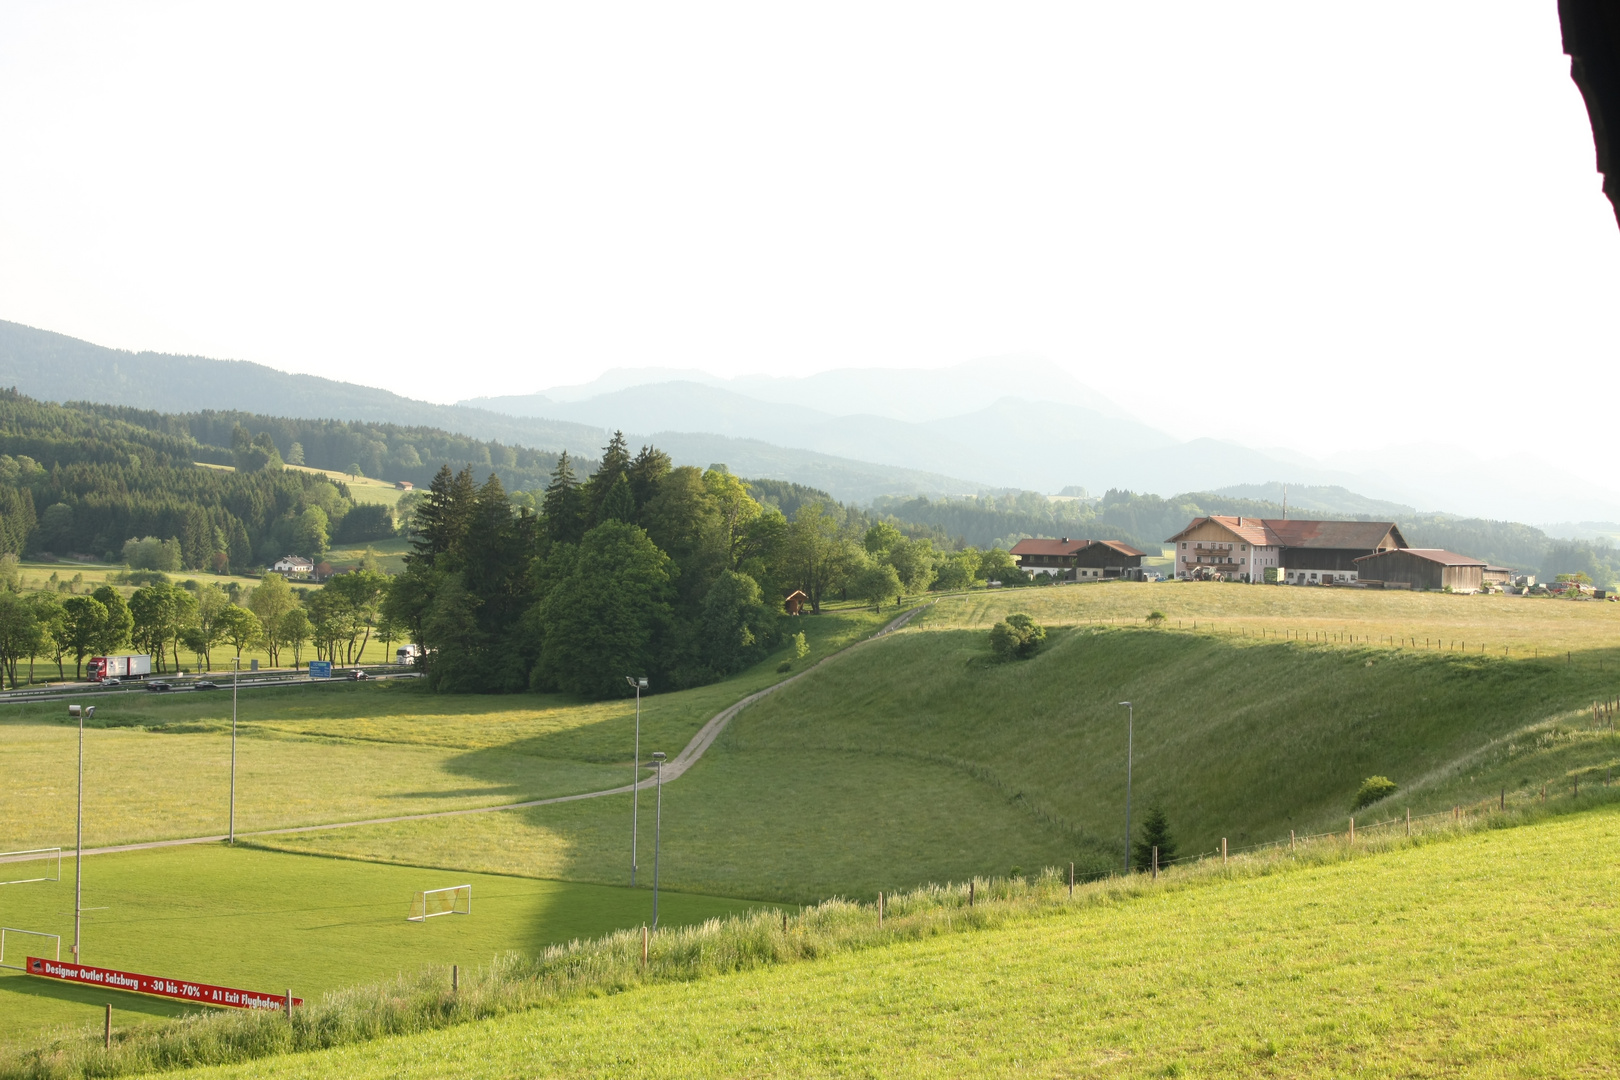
(171, 622)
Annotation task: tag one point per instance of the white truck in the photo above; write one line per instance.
(119, 667)
(407, 654)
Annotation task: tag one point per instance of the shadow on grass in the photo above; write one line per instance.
(93, 995)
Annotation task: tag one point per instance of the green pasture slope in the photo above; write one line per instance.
(1491, 955)
(265, 921)
(917, 758)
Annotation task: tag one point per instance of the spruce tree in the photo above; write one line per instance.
(615, 463)
(1155, 834)
(620, 504)
(562, 508)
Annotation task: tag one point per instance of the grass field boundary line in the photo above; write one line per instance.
(673, 769)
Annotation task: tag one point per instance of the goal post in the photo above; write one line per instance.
(38, 864)
(4, 930)
(451, 900)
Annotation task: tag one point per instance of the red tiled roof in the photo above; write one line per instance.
(1434, 555)
(1277, 532)
(1048, 547)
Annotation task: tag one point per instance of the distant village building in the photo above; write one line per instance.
(1281, 550)
(1424, 568)
(1077, 560)
(404, 485)
(293, 564)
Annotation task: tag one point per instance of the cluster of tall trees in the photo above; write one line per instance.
(642, 569)
(171, 622)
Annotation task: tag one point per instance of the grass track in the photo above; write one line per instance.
(265, 921)
(1493, 955)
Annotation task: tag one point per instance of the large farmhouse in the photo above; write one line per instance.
(1280, 550)
(1077, 560)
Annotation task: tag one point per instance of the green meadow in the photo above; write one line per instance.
(258, 920)
(1488, 953)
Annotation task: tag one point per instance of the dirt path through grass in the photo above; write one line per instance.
(673, 770)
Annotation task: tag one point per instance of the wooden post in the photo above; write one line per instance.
(643, 945)
(1155, 862)
(1352, 830)
(971, 884)
(1290, 839)
(1501, 802)
(1408, 821)
(455, 978)
(106, 1031)
(784, 920)
(1223, 851)
(1071, 879)
(880, 911)
(289, 1003)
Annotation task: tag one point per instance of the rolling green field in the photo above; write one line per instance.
(158, 767)
(1491, 955)
(259, 920)
(917, 758)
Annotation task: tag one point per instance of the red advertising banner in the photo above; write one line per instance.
(112, 979)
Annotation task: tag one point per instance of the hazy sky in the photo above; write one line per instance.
(1323, 226)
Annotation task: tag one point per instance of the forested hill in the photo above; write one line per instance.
(384, 451)
(73, 482)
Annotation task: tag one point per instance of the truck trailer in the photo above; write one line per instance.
(119, 667)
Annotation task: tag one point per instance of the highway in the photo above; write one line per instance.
(86, 691)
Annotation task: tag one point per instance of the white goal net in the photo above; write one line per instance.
(38, 864)
(30, 939)
(452, 900)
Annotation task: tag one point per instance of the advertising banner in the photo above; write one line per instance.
(320, 669)
(111, 979)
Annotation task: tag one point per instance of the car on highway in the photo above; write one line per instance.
(205, 684)
(159, 686)
(110, 681)
(358, 676)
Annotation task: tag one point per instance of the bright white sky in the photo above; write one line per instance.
(1322, 226)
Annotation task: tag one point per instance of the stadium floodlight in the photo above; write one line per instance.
(451, 900)
(4, 930)
(639, 684)
(52, 872)
(658, 829)
(1130, 735)
(80, 713)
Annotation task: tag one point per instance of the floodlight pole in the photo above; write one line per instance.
(635, 776)
(1130, 737)
(234, 676)
(78, 831)
(658, 829)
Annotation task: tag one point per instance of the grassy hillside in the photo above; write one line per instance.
(916, 758)
(1489, 955)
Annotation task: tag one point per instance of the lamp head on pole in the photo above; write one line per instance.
(1125, 704)
(639, 684)
(659, 756)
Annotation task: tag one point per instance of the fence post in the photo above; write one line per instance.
(784, 920)
(1155, 862)
(644, 945)
(1501, 803)
(971, 884)
(880, 911)
(106, 1032)
(455, 978)
(1408, 821)
(1223, 851)
(289, 1003)
(1071, 879)
(1290, 839)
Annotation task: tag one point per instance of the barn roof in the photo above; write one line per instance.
(1123, 549)
(1434, 555)
(1033, 546)
(1335, 534)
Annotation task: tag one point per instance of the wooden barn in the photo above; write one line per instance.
(1077, 560)
(795, 601)
(1424, 568)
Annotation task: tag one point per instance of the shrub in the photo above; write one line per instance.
(1372, 789)
(1017, 637)
(801, 647)
(786, 665)
(1154, 618)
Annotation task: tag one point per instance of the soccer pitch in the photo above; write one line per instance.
(267, 921)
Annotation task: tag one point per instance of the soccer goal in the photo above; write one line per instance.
(452, 900)
(56, 940)
(44, 864)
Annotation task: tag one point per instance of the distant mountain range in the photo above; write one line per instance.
(1014, 422)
